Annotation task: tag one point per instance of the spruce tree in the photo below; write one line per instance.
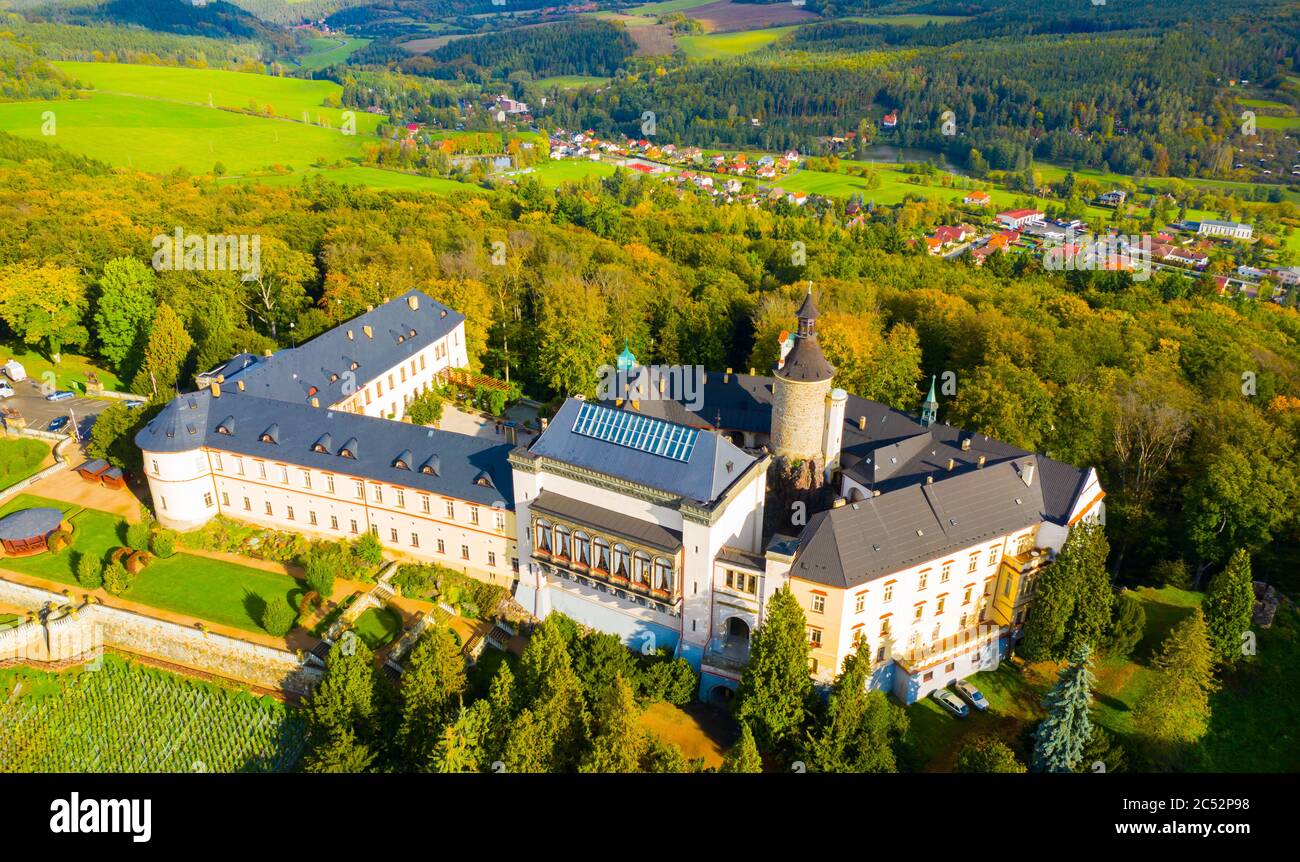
(460, 745)
(1229, 604)
(1061, 736)
(743, 756)
(775, 686)
(432, 685)
(1127, 628)
(343, 702)
(1176, 707)
(620, 743)
(164, 356)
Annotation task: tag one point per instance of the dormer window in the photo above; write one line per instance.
(333, 378)
(311, 391)
(271, 435)
(227, 426)
(349, 449)
(403, 461)
(322, 445)
(431, 467)
(411, 334)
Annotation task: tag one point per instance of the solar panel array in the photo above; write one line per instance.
(636, 431)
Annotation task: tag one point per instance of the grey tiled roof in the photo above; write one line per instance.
(714, 462)
(863, 540)
(293, 374)
(464, 463)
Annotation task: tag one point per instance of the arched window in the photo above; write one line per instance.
(601, 556)
(663, 575)
(561, 540)
(641, 567)
(581, 548)
(544, 535)
(622, 560)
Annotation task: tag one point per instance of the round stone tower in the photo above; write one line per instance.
(799, 397)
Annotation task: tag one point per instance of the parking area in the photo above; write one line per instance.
(28, 400)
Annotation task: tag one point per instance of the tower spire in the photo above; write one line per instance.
(930, 407)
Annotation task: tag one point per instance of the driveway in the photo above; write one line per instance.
(38, 412)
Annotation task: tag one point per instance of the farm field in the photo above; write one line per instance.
(119, 716)
(722, 46)
(287, 97)
(327, 51)
(724, 16)
(667, 7)
(553, 173)
(571, 82)
(160, 136)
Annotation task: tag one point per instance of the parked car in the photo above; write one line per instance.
(60, 395)
(14, 370)
(950, 702)
(58, 423)
(6, 391)
(972, 695)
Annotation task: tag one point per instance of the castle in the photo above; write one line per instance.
(643, 517)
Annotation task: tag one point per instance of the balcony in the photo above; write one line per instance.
(728, 653)
(598, 584)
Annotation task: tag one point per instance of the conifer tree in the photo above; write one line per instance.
(743, 756)
(432, 685)
(620, 743)
(1072, 605)
(1176, 707)
(164, 356)
(775, 686)
(861, 726)
(1128, 626)
(1229, 604)
(1061, 736)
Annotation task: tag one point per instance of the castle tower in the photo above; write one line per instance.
(800, 396)
(930, 407)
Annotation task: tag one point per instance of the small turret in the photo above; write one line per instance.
(930, 407)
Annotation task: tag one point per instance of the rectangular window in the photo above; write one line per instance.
(207, 499)
(225, 499)
(216, 460)
(248, 505)
(939, 608)
(943, 575)
(492, 558)
(814, 637)
(379, 494)
(379, 390)
(392, 535)
(464, 552)
(401, 499)
(501, 520)
(451, 510)
(473, 515)
(859, 602)
(424, 504)
(415, 540)
(154, 462)
(311, 518)
(284, 475)
(329, 483)
(367, 395)
(974, 563)
(334, 522)
(239, 466)
(966, 599)
(261, 469)
(819, 604)
(442, 548)
(268, 507)
(514, 567)
(920, 609)
(354, 525)
(889, 592)
(993, 556)
(306, 479)
(923, 580)
(288, 512)
(421, 361)
(359, 491)
(164, 502)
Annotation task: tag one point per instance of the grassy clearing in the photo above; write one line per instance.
(572, 82)
(375, 178)
(20, 457)
(697, 733)
(70, 373)
(378, 627)
(906, 20)
(328, 51)
(553, 173)
(722, 46)
(667, 6)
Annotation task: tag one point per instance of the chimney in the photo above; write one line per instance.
(965, 444)
(726, 377)
(862, 423)
(929, 478)
(370, 333)
(315, 402)
(661, 385)
(414, 302)
(221, 378)
(951, 463)
(216, 389)
(980, 462)
(240, 384)
(266, 352)
(369, 308)
(751, 372)
(1027, 474)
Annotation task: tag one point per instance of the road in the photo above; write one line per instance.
(38, 412)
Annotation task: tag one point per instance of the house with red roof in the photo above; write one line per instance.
(1017, 219)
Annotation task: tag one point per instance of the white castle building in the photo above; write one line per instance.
(643, 517)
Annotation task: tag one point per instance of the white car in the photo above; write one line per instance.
(972, 695)
(6, 391)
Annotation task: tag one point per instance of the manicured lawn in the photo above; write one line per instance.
(213, 590)
(20, 457)
(377, 627)
(27, 501)
(553, 173)
(93, 532)
(72, 370)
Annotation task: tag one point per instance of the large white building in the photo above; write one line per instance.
(643, 517)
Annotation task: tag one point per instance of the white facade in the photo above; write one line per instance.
(1230, 229)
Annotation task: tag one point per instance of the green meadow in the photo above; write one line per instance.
(374, 178)
(722, 46)
(326, 51)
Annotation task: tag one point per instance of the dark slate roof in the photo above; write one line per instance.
(807, 311)
(805, 362)
(30, 523)
(860, 541)
(95, 466)
(713, 465)
(301, 373)
(191, 421)
(602, 520)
